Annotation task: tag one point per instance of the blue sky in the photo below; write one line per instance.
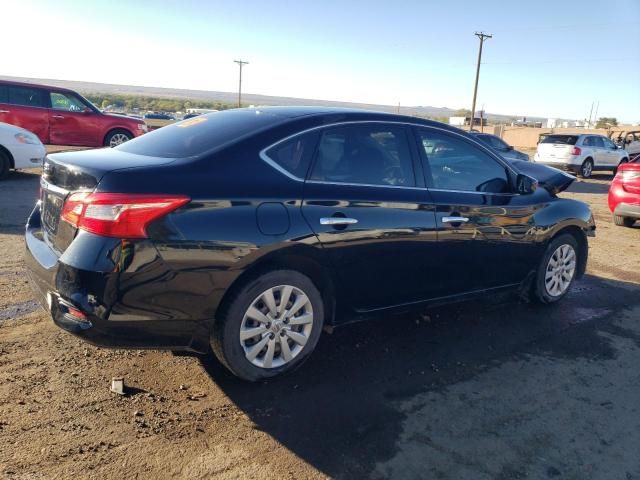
(546, 58)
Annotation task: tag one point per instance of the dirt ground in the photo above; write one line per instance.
(495, 389)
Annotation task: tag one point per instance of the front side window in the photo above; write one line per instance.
(25, 96)
(455, 164)
(609, 144)
(66, 102)
(362, 154)
(597, 142)
(294, 155)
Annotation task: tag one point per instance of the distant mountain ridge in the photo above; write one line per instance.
(232, 97)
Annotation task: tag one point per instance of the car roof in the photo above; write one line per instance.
(344, 114)
(36, 85)
(482, 134)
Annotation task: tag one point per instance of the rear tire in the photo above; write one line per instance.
(557, 269)
(586, 169)
(623, 221)
(5, 165)
(257, 336)
(117, 137)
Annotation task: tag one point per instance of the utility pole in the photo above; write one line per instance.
(482, 36)
(589, 124)
(240, 64)
(595, 117)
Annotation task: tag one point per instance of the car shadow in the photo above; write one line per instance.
(598, 186)
(337, 411)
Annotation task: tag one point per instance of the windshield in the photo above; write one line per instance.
(561, 139)
(200, 134)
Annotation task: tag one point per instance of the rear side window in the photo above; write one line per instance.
(371, 155)
(560, 139)
(455, 164)
(4, 94)
(26, 96)
(201, 134)
(294, 155)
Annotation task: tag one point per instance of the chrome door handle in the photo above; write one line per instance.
(5, 111)
(455, 219)
(338, 221)
(57, 116)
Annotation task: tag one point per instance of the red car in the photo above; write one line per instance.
(59, 116)
(624, 194)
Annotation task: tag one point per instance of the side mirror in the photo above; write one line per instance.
(525, 184)
(509, 148)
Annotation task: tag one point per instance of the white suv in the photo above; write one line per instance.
(580, 154)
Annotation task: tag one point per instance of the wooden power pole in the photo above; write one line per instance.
(240, 64)
(482, 36)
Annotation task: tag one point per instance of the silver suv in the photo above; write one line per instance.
(581, 154)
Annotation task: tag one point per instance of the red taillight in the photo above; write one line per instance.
(576, 151)
(119, 215)
(74, 312)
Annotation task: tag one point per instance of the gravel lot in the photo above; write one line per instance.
(495, 389)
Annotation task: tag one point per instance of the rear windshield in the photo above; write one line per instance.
(563, 139)
(200, 134)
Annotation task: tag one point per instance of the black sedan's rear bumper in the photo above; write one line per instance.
(93, 303)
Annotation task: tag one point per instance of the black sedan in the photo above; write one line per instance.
(249, 230)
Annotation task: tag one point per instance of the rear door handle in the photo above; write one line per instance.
(338, 221)
(57, 116)
(455, 219)
(5, 111)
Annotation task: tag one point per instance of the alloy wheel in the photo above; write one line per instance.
(587, 169)
(560, 270)
(118, 139)
(276, 326)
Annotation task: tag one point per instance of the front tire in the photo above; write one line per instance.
(270, 326)
(586, 169)
(117, 137)
(557, 269)
(624, 221)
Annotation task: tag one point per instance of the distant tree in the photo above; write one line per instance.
(135, 102)
(462, 112)
(439, 119)
(604, 122)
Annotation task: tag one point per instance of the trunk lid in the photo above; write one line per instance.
(549, 178)
(66, 173)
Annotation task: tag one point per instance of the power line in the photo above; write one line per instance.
(482, 36)
(240, 64)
